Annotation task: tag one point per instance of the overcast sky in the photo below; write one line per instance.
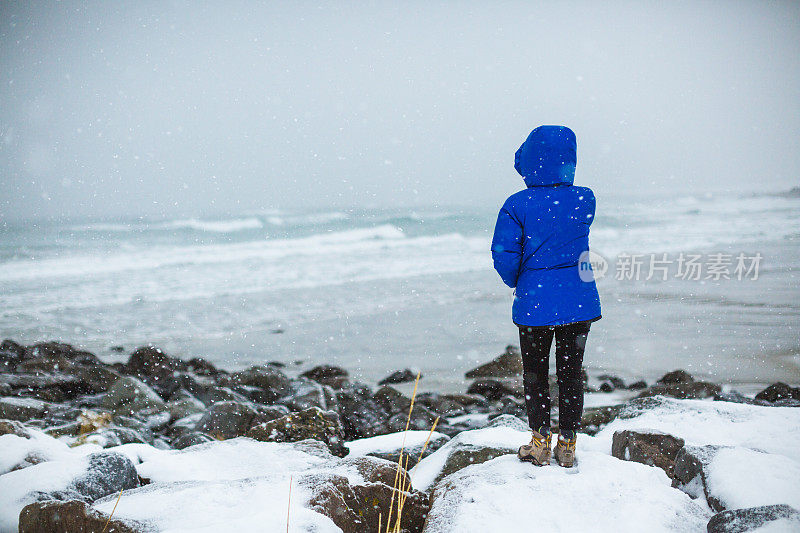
(188, 108)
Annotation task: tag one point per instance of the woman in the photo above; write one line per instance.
(540, 245)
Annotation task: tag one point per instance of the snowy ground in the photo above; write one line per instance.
(243, 485)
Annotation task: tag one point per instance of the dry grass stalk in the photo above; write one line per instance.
(112, 512)
(289, 504)
(398, 487)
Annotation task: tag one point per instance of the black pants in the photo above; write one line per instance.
(570, 343)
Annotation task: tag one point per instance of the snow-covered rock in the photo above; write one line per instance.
(769, 518)
(388, 446)
(701, 422)
(84, 478)
(601, 493)
(735, 477)
(503, 436)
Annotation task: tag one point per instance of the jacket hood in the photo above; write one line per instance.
(547, 157)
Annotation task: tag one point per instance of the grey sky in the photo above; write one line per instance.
(184, 108)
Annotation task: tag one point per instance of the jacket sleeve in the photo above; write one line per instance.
(507, 245)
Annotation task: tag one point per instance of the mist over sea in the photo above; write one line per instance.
(375, 290)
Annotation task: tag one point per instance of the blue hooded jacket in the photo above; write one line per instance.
(542, 231)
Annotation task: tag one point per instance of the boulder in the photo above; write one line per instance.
(652, 448)
(676, 376)
(595, 418)
(24, 409)
(683, 390)
(333, 376)
(85, 479)
(358, 507)
(152, 362)
(754, 518)
(190, 439)
(779, 391)
(313, 423)
(12, 427)
(51, 516)
(272, 381)
(226, 420)
(611, 382)
(361, 415)
(185, 407)
(494, 389)
(502, 436)
(720, 473)
(508, 364)
(129, 395)
(400, 376)
(305, 394)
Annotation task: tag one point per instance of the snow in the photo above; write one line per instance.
(700, 422)
(426, 471)
(17, 487)
(600, 493)
(237, 484)
(391, 442)
(19, 451)
(226, 460)
(732, 471)
(255, 504)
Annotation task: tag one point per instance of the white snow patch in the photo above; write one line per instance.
(256, 504)
(390, 442)
(600, 493)
(740, 478)
(700, 422)
(427, 470)
(16, 487)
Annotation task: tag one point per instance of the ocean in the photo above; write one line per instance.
(376, 290)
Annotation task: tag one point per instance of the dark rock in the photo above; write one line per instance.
(421, 419)
(638, 385)
(313, 423)
(444, 404)
(152, 362)
(689, 473)
(647, 447)
(676, 376)
(400, 376)
(52, 516)
(55, 350)
(614, 382)
(595, 418)
(201, 367)
(494, 389)
(24, 409)
(360, 414)
(272, 381)
(508, 364)
(737, 397)
(107, 473)
(391, 400)
(226, 420)
(117, 348)
(779, 391)
(356, 508)
(10, 347)
(190, 439)
(12, 427)
(334, 376)
(129, 395)
(216, 394)
(304, 394)
(185, 407)
(753, 518)
(683, 391)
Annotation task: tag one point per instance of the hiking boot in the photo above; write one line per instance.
(538, 451)
(565, 451)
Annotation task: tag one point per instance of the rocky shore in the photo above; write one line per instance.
(158, 436)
